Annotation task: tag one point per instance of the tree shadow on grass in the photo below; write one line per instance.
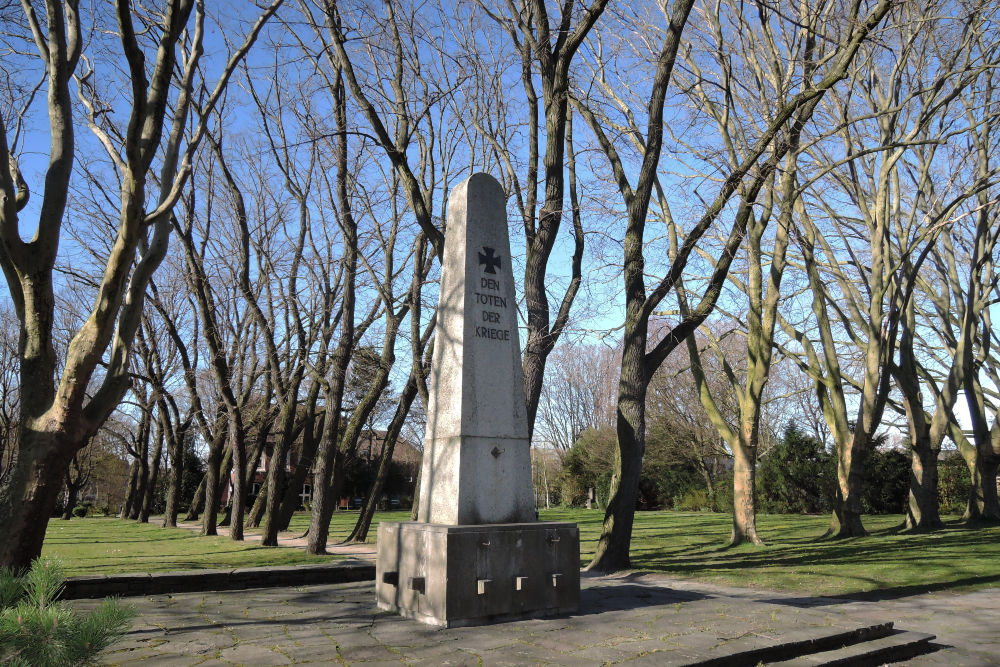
(877, 567)
(885, 594)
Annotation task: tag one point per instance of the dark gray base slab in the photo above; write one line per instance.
(124, 585)
(454, 576)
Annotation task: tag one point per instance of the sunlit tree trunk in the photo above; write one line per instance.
(60, 406)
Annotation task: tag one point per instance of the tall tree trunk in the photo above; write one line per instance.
(31, 492)
(130, 490)
(142, 481)
(360, 531)
(324, 497)
(198, 502)
(744, 511)
(149, 497)
(310, 441)
(616, 535)
(72, 491)
(847, 512)
(277, 473)
(175, 452)
(256, 512)
(922, 511)
(213, 478)
(239, 496)
(142, 446)
(984, 485)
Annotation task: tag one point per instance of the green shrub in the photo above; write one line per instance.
(81, 511)
(723, 500)
(38, 630)
(887, 482)
(797, 476)
(954, 484)
(695, 500)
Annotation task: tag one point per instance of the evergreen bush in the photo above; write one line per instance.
(695, 500)
(38, 630)
(887, 482)
(798, 476)
(954, 483)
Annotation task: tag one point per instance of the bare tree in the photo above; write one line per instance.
(578, 393)
(860, 285)
(755, 68)
(59, 412)
(9, 394)
(640, 358)
(547, 46)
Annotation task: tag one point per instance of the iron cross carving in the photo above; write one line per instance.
(489, 259)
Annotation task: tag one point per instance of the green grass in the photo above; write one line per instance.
(110, 546)
(342, 524)
(683, 544)
(796, 557)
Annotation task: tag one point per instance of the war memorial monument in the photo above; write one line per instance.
(477, 553)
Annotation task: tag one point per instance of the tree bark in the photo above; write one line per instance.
(149, 497)
(847, 512)
(277, 473)
(360, 532)
(72, 491)
(744, 510)
(33, 490)
(198, 502)
(239, 496)
(130, 490)
(175, 451)
(923, 511)
(310, 441)
(213, 478)
(256, 513)
(324, 496)
(616, 534)
(984, 484)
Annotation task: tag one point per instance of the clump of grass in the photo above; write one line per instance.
(39, 630)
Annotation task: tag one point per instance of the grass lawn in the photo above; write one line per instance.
(342, 524)
(98, 545)
(693, 545)
(683, 544)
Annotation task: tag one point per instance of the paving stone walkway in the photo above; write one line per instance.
(638, 619)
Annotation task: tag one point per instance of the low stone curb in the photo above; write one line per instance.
(157, 583)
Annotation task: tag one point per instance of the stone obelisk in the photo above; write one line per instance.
(477, 460)
(477, 553)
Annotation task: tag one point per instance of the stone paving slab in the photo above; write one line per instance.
(633, 619)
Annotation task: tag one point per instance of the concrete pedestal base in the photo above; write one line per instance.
(469, 575)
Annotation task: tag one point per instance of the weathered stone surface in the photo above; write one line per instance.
(632, 619)
(477, 462)
(477, 554)
(465, 575)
